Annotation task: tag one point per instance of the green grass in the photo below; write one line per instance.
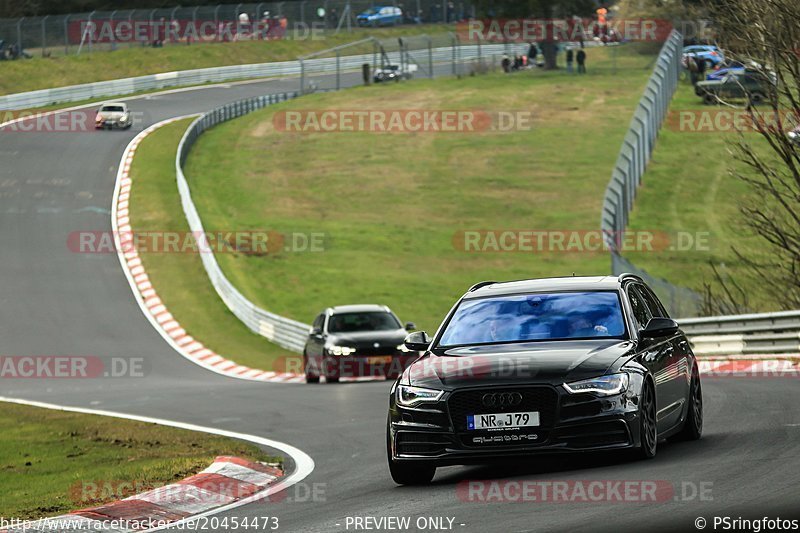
(48, 457)
(179, 279)
(390, 204)
(688, 188)
(42, 73)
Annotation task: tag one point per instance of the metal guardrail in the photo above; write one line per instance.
(635, 154)
(640, 139)
(767, 333)
(285, 332)
(184, 78)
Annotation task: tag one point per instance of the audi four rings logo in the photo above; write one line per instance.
(501, 399)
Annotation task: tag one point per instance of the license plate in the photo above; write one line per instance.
(379, 360)
(503, 420)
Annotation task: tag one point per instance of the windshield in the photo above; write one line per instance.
(371, 321)
(533, 317)
(112, 108)
(371, 11)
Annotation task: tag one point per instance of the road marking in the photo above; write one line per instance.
(304, 464)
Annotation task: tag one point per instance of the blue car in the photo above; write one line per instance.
(380, 16)
(709, 53)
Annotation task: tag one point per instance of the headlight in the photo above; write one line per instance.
(602, 386)
(340, 350)
(409, 396)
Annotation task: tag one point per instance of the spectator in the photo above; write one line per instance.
(691, 64)
(570, 56)
(532, 53)
(701, 68)
(581, 58)
(506, 64)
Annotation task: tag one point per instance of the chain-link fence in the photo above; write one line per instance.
(418, 56)
(77, 33)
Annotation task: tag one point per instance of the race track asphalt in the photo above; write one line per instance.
(55, 302)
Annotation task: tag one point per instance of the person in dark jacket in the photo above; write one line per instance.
(533, 51)
(570, 56)
(581, 58)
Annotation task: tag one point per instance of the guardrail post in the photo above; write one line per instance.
(302, 77)
(430, 56)
(338, 71)
(44, 35)
(66, 35)
(19, 34)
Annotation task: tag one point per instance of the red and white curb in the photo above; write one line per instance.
(148, 299)
(146, 294)
(225, 481)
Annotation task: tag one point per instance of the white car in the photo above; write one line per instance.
(794, 135)
(113, 115)
(394, 72)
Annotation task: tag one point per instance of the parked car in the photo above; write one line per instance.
(380, 16)
(544, 366)
(113, 115)
(356, 341)
(394, 73)
(753, 86)
(712, 55)
(794, 135)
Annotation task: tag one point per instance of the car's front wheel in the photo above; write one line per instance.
(311, 376)
(648, 430)
(404, 473)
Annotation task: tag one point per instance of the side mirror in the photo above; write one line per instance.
(419, 341)
(316, 332)
(410, 326)
(660, 327)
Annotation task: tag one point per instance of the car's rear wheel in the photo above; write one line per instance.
(407, 473)
(648, 430)
(311, 377)
(693, 425)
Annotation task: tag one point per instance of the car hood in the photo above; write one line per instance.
(537, 362)
(368, 339)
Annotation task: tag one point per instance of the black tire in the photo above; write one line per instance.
(709, 99)
(757, 98)
(331, 379)
(648, 429)
(310, 376)
(693, 425)
(408, 473)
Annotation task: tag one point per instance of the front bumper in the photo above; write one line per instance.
(569, 423)
(388, 366)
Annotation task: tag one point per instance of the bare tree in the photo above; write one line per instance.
(765, 36)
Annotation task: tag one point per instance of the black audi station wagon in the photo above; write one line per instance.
(544, 365)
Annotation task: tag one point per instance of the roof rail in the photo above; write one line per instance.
(479, 285)
(629, 275)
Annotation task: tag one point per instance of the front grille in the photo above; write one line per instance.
(541, 399)
(369, 350)
(591, 435)
(419, 443)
